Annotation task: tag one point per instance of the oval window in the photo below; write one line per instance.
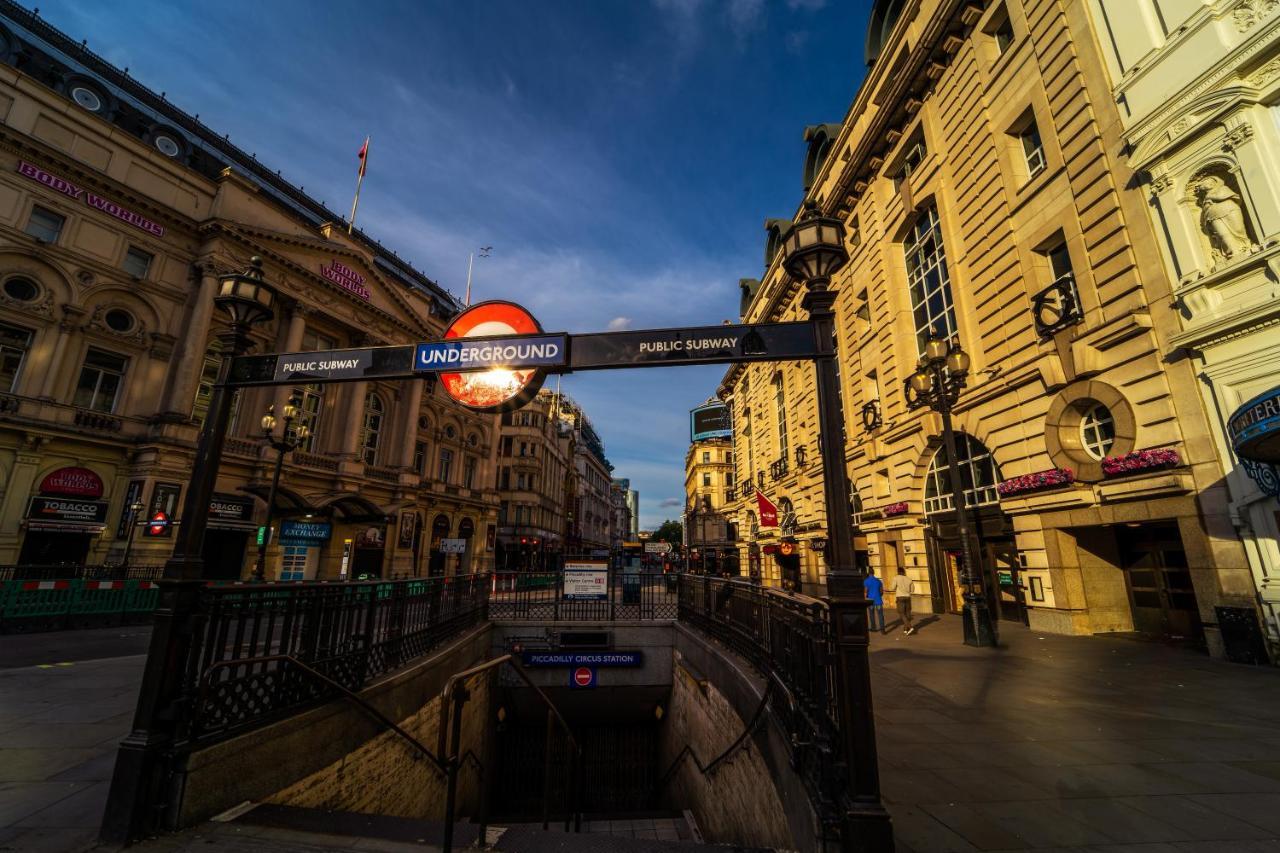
(119, 320)
(1097, 432)
(87, 98)
(450, 431)
(21, 289)
(166, 145)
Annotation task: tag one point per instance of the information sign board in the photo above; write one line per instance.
(586, 581)
(657, 547)
(551, 659)
(453, 546)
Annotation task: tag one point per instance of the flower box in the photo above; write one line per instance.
(899, 508)
(1051, 479)
(1141, 460)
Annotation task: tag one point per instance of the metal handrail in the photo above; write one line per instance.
(450, 730)
(361, 703)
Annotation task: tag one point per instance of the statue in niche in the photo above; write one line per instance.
(1221, 217)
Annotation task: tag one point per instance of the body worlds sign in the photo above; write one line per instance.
(346, 278)
(107, 206)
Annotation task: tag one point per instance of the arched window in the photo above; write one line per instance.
(978, 476)
(371, 432)
(780, 412)
(932, 307)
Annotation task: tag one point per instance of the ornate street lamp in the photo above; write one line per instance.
(289, 441)
(936, 383)
(134, 508)
(140, 773)
(814, 251)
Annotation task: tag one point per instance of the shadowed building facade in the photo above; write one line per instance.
(118, 212)
(980, 176)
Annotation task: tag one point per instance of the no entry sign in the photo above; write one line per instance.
(583, 676)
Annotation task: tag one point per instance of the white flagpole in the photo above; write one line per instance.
(364, 161)
(471, 259)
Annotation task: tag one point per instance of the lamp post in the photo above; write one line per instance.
(143, 762)
(814, 251)
(134, 508)
(936, 383)
(286, 443)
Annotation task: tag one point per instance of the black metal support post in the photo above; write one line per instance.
(867, 827)
(137, 798)
(128, 541)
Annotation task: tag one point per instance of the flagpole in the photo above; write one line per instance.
(471, 259)
(355, 203)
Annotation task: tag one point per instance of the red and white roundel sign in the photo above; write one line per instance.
(498, 389)
(583, 676)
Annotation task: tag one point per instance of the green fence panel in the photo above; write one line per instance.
(40, 599)
(141, 597)
(98, 597)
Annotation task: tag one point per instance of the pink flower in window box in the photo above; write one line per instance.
(1141, 460)
(1051, 479)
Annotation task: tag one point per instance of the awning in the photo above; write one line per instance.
(1254, 428)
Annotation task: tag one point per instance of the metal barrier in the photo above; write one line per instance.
(42, 605)
(349, 632)
(72, 571)
(786, 637)
(540, 596)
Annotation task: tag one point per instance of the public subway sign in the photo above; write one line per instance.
(346, 278)
(97, 202)
(333, 365)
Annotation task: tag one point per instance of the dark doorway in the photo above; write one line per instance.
(997, 555)
(439, 530)
(224, 554)
(1158, 580)
(49, 548)
(1004, 581)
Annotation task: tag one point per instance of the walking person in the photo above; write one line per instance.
(902, 589)
(873, 587)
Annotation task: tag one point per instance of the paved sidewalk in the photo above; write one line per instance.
(60, 723)
(1080, 743)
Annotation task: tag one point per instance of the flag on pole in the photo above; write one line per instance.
(364, 164)
(364, 156)
(768, 510)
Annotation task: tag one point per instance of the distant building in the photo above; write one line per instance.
(633, 508)
(535, 467)
(709, 486)
(590, 516)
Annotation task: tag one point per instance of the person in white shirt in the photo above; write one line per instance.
(902, 589)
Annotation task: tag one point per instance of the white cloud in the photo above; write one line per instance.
(619, 323)
(670, 502)
(745, 16)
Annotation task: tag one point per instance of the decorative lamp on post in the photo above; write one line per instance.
(141, 769)
(936, 383)
(134, 509)
(814, 251)
(290, 439)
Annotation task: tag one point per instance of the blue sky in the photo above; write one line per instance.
(620, 157)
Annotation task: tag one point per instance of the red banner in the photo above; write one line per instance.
(768, 511)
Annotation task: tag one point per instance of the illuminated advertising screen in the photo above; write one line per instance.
(711, 421)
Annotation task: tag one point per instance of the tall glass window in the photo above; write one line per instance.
(931, 303)
(374, 414)
(446, 464)
(100, 381)
(978, 476)
(780, 412)
(311, 398)
(14, 343)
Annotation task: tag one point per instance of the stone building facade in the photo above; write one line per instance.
(1197, 86)
(118, 212)
(708, 487)
(535, 475)
(981, 178)
(590, 511)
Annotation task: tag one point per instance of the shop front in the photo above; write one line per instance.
(996, 552)
(63, 518)
(300, 544)
(369, 551)
(227, 537)
(439, 532)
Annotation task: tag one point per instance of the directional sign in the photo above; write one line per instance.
(694, 345)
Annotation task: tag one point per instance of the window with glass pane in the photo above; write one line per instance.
(14, 343)
(780, 412)
(311, 401)
(446, 465)
(978, 476)
(1003, 35)
(1098, 431)
(931, 304)
(45, 224)
(706, 456)
(371, 432)
(1032, 149)
(706, 479)
(100, 380)
(469, 472)
(137, 262)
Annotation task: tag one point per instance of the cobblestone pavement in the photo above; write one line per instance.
(60, 723)
(1079, 743)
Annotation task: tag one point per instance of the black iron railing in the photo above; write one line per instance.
(541, 596)
(788, 638)
(237, 673)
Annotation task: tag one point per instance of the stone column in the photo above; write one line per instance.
(349, 441)
(409, 422)
(289, 341)
(52, 347)
(13, 506)
(193, 346)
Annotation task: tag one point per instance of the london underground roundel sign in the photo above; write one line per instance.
(497, 389)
